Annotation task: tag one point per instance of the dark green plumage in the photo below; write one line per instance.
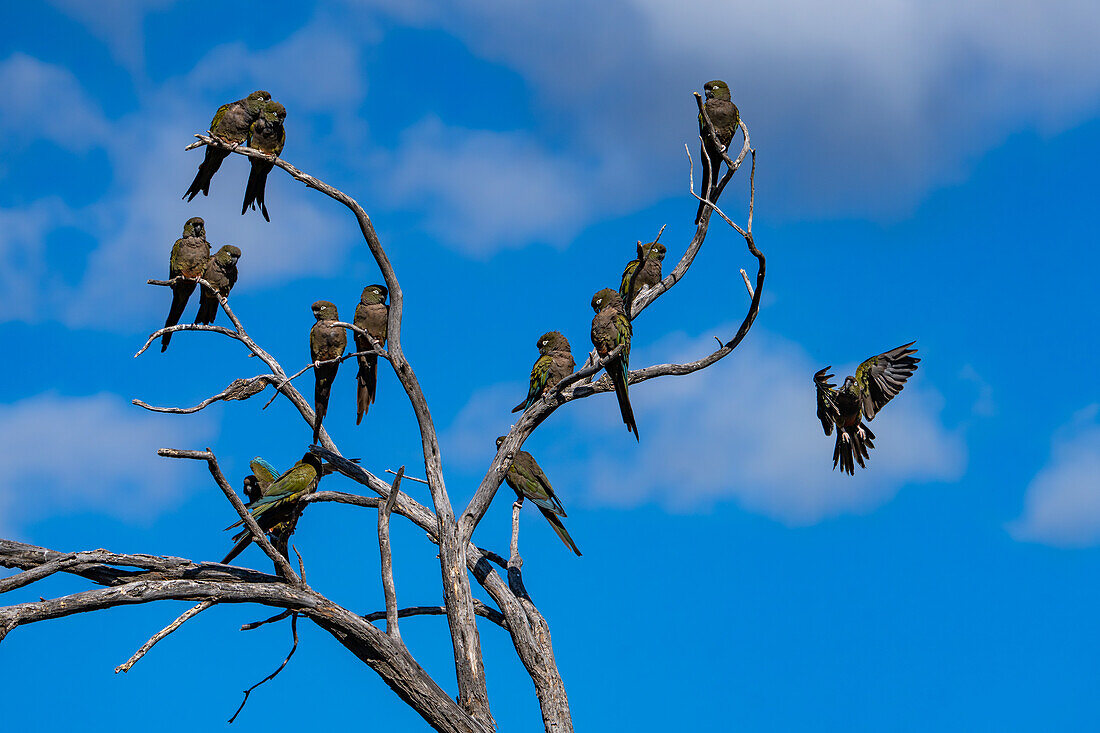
(277, 503)
(231, 124)
(554, 364)
(527, 479)
(269, 135)
(371, 315)
(325, 342)
(877, 381)
(189, 258)
(724, 116)
(611, 328)
(221, 273)
(641, 273)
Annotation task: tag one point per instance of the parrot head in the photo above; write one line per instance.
(274, 111)
(255, 102)
(552, 341)
(314, 460)
(228, 255)
(195, 227)
(717, 89)
(373, 295)
(850, 386)
(656, 251)
(324, 310)
(606, 298)
(251, 488)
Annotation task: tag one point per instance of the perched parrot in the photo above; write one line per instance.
(231, 124)
(263, 475)
(525, 476)
(221, 272)
(877, 381)
(268, 135)
(554, 364)
(189, 257)
(371, 315)
(325, 342)
(724, 116)
(278, 499)
(610, 328)
(641, 273)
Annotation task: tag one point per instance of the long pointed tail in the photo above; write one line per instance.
(208, 307)
(367, 382)
(618, 374)
(210, 164)
(256, 187)
(244, 539)
(321, 392)
(181, 291)
(556, 523)
(852, 446)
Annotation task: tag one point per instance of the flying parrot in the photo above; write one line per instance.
(877, 381)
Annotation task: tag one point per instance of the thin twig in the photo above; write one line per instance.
(748, 285)
(239, 389)
(407, 478)
(257, 624)
(293, 648)
(479, 608)
(287, 380)
(386, 553)
(183, 617)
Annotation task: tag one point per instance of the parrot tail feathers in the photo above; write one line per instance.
(256, 187)
(852, 446)
(210, 164)
(559, 528)
(321, 393)
(181, 292)
(618, 373)
(367, 380)
(243, 541)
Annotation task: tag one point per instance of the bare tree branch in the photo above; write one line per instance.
(386, 554)
(183, 617)
(239, 389)
(479, 608)
(273, 675)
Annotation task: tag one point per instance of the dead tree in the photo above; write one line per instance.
(125, 579)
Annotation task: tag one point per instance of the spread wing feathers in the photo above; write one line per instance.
(881, 377)
(827, 411)
(263, 471)
(540, 374)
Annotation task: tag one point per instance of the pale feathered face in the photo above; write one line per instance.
(373, 294)
(552, 341)
(323, 310)
(195, 227)
(606, 298)
(717, 89)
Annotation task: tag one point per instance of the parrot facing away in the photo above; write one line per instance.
(326, 342)
(611, 328)
(267, 134)
(372, 315)
(189, 257)
(221, 272)
(278, 497)
(725, 117)
(641, 273)
(231, 124)
(526, 477)
(877, 381)
(554, 364)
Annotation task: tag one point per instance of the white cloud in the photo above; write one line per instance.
(858, 107)
(46, 102)
(744, 430)
(72, 454)
(1062, 503)
(484, 190)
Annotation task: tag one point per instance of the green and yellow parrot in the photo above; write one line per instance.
(554, 364)
(231, 124)
(278, 497)
(372, 315)
(724, 116)
(189, 258)
(877, 381)
(326, 342)
(221, 272)
(611, 328)
(267, 134)
(526, 477)
(641, 273)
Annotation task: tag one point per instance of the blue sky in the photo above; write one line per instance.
(925, 171)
